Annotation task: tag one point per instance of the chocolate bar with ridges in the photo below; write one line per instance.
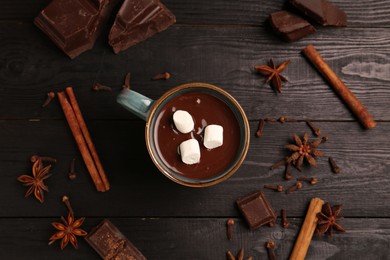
(74, 25)
(322, 11)
(138, 20)
(111, 244)
(289, 26)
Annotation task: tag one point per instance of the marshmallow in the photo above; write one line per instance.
(213, 136)
(183, 121)
(190, 151)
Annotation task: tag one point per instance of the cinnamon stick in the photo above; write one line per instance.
(78, 136)
(357, 108)
(307, 230)
(87, 137)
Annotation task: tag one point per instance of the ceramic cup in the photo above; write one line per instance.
(149, 110)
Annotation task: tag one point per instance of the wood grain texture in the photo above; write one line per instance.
(223, 56)
(194, 238)
(217, 42)
(370, 13)
(139, 189)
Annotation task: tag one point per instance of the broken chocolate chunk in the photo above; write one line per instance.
(111, 244)
(138, 20)
(289, 26)
(322, 11)
(74, 25)
(257, 210)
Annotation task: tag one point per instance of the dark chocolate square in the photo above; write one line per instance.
(322, 11)
(111, 244)
(289, 26)
(74, 25)
(256, 209)
(137, 21)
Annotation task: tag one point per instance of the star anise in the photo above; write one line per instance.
(303, 150)
(69, 229)
(327, 219)
(240, 255)
(273, 74)
(35, 182)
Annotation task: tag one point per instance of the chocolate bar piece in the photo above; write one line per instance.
(74, 25)
(138, 20)
(322, 11)
(289, 26)
(111, 244)
(256, 209)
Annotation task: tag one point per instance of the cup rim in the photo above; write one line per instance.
(241, 111)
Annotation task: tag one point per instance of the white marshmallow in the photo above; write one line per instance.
(183, 121)
(190, 151)
(213, 136)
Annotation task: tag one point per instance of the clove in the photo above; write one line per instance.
(284, 119)
(333, 165)
(324, 139)
(35, 158)
(274, 187)
(309, 180)
(270, 245)
(65, 200)
(279, 163)
(100, 87)
(72, 174)
(316, 131)
(295, 187)
(229, 225)
(126, 83)
(287, 171)
(49, 98)
(285, 222)
(270, 120)
(164, 75)
(259, 132)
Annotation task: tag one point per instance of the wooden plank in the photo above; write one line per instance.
(370, 13)
(139, 189)
(198, 238)
(217, 42)
(223, 56)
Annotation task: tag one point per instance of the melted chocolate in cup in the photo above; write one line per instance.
(206, 108)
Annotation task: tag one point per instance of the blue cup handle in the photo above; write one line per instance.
(135, 102)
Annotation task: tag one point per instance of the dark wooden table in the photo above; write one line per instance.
(217, 42)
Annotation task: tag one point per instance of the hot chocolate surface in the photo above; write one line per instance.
(205, 110)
